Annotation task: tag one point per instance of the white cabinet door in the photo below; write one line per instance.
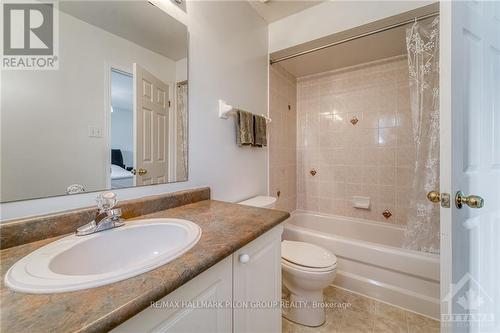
(212, 286)
(257, 282)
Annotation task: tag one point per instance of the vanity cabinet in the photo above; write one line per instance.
(257, 285)
(243, 292)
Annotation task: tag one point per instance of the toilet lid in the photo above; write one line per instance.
(306, 254)
(259, 201)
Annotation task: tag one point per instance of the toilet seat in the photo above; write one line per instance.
(289, 264)
(307, 257)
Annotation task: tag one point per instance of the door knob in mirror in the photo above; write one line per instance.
(140, 172)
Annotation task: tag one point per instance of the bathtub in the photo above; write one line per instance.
(371, 260)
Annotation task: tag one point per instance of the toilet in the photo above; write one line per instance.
(261, 201)
(307, 269)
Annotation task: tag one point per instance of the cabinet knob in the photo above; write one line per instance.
(244, 258)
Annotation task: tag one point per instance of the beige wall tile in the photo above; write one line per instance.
(283, 134)
(373, 158)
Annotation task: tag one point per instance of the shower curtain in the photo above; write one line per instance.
(181, 119)
(422, 41)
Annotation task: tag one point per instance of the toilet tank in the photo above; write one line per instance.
(260, 201)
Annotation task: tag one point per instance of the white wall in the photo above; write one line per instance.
(181, 73)
(46, 114)
(332, 17)
(228, 59)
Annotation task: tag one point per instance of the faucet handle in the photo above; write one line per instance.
(106, 201)
(115, 213)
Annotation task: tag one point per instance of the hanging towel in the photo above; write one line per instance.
(244, 128)
(260, 135)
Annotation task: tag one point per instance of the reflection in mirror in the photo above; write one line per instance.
(113, 115)
(122, 129)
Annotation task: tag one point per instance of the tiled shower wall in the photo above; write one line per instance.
(373, 158)
(282, 137)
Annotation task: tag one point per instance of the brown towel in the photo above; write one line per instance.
(260, 136)
(244, 128)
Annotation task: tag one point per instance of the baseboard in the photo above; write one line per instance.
(405, 299)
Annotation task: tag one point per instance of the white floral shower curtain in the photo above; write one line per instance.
(422, 41)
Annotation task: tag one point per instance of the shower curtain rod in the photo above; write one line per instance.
(342, 41)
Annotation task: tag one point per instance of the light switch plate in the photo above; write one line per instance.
(95, 132)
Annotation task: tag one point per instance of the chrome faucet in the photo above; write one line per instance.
(107, 217)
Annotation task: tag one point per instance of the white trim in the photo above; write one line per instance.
(386, 293)
(268, 170)
(172, 132)
(374, 286)
(134, 115)
(445, 59)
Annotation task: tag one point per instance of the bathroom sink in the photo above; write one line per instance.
(80, 262)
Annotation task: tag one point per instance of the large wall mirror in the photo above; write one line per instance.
(113, 115)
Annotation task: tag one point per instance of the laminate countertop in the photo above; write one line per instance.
(225, 228)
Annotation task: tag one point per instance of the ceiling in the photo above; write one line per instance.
(375, 47)
(137, 21)
(274, 10)
(388, 42)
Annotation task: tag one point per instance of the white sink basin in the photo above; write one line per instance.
(80, 262)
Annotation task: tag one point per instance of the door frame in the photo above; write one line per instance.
(445, 149)
(172, 132)
(108, 67)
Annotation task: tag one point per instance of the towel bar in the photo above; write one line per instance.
(225, 110)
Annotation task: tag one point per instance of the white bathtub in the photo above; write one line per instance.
(371, 261)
